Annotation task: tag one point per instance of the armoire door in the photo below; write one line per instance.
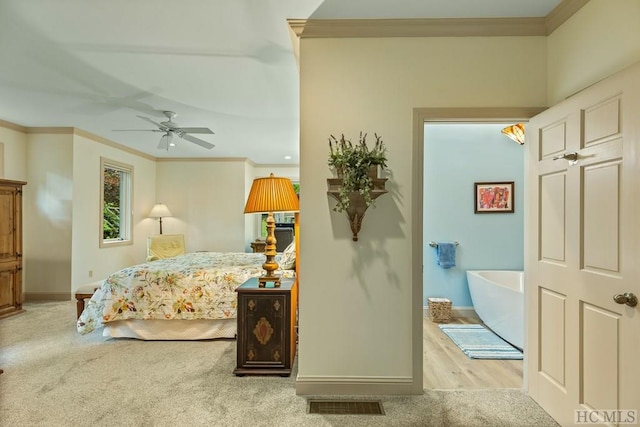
(583, 254)
(10, 247)
(8, 215)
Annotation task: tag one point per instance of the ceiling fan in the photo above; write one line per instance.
(171, 128)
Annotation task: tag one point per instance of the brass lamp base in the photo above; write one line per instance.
(263, 280)
(270, 265)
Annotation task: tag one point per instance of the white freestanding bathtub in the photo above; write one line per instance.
(498, 299)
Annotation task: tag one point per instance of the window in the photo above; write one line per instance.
(115, 202)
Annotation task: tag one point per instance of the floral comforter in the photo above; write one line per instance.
(198, 285)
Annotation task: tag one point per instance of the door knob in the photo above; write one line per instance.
(571, 157)
(627, 298)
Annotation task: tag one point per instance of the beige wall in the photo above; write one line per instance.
(361, 291)
(87, 255)
(251, 221)
(14, 143)
(48, 213)
(207, 200)
(601, 38)
(356, 297)
(62, 213)
(288, 171)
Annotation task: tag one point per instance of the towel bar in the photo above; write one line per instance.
(435, 244)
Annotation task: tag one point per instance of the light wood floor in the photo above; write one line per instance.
(445, 366)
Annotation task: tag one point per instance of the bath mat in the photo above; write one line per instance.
(478, 342)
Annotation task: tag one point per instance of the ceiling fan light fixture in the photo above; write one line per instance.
(166, 141)
(169, 128)
(170, 115)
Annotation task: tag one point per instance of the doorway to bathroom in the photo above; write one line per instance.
(460, 160)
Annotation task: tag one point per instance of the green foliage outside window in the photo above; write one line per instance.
(111, 207)
(111, 222)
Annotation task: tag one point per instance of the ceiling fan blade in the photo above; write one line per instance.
(195, 140)
(165, 141)
(137, 130)
(196, 130)
(160, 125)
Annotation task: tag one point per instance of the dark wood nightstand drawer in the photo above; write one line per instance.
(266, 328)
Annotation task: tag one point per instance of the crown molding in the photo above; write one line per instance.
(58, 130)
(201, 159)
(297, 26)
(82, 133)
(79, 132)
(562, 12)
(277, 165)
(427, 27)
(105, 141)
(13, 126)
(477, 114)
(436, 27)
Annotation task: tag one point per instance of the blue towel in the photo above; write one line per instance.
(446, 255)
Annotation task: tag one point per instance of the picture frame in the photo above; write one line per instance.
(486, 201)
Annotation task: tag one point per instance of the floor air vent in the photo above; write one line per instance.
(346, 407)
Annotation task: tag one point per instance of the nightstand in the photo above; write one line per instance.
(266, 343)
(259, 246)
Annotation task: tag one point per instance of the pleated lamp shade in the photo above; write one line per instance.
(515, 132)
(272, 194)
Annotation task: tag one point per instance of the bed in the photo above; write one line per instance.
(187, 297)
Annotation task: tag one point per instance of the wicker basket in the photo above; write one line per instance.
(439, 309)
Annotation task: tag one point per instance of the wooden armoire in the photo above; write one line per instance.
(10, 247)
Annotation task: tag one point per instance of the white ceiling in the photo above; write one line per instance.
(223, 64)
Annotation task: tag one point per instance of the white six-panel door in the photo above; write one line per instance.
(583, 204)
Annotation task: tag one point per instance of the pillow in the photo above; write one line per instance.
(288, 259)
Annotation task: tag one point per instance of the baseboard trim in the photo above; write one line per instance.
(47, 296)
(319, 386)
(456, 312)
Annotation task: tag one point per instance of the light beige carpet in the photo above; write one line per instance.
(55, 377)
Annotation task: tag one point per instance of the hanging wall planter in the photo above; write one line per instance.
(357, 184)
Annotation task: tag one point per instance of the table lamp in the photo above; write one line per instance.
(269, 195)
(160, 210)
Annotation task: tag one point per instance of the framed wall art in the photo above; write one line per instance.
(494, 197)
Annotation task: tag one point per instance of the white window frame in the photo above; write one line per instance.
(126, 203)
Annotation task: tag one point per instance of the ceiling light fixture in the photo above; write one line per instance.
(515, 132)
